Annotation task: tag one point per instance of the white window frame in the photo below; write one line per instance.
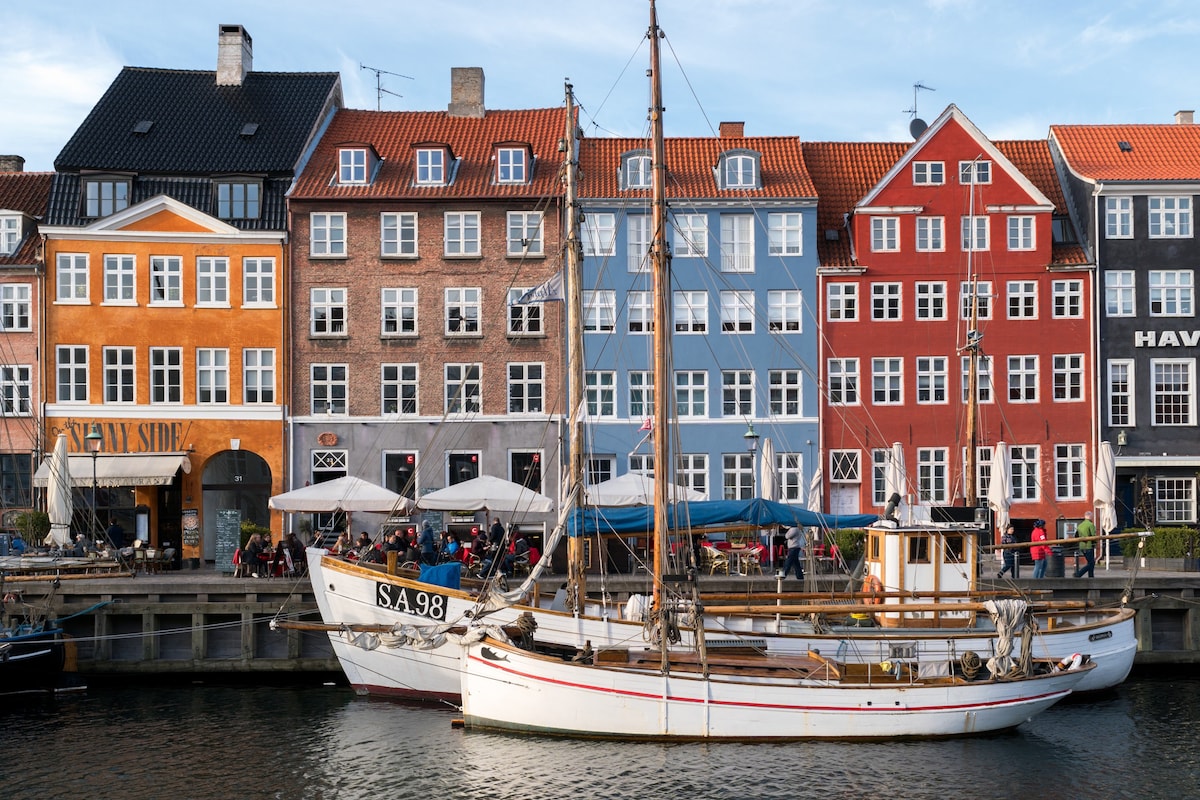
(637, 245)
(1182, 409)
(932, 380)
(166, 376)
(258, 375)
(16, 390)
(740, 171)
(1169, 216)
(1023, 378)
(842, 381)
(71, 278)
(212, 376)
(637, 171)
(887, 302)
(329, 387)
(737, 476)
(641, 394)
(737, 312)
(398, 234)
(600, 393)
(1174, 500)
(599, 232)
(691, 394)
(399, 393)
(785, 233)
(737, 243)
(1070, 472)
(887, 381)
(526, 387)
(431, 167)
(327, 234)
(1120, 293)
(212, 282)
(885, 234)
(1067, 299)
(983, 378)
(510, 165)
(930, 299)
(639, 313)
(785, 393)
(71, 373)
(1118, 217)
(692, 471)
(929, 173)
(785, 311)
(463, 310)
(328, 311)
(1022, 299)
(1021, 232)
(352, 165)
(1024, 466)
(690, 312)
(462, 234)
(10, 233)
(166, 281)
(1068, 377)
(1172, 293)
(978, 171)
(524, 319)
(525, 233)
(1122, 397)
(398, 311)
(120, 279)
(983, 291)
(16, 307)
(845, 466)
(599, 311)
(931, 234)
(258, 283)
(976, 233)
(933, 474)
(841, 302)
(691, 236)
(737, 393)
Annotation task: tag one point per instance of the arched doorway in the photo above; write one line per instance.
(234, 479)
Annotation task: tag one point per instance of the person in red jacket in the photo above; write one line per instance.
(1039, 551)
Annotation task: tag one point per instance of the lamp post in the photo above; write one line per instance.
(751, 439)
(95, 443)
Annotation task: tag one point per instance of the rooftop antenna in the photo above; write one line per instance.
(917, 126)
(379, 90)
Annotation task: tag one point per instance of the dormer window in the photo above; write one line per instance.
(512, 164)
(105, 195)
(352, 165)
(238, 198)
(431, 166)
(739, 170)
(636, 171)
(10, 233)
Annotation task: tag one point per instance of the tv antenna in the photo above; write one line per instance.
(917, 126)
(379, 90)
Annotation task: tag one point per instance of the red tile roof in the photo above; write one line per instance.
(1032, 158)
(690, 164)
(1158, 152)
(29, 193)
(471, 139)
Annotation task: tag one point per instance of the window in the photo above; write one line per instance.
(525, 468)
(599, 234)
(931, 379)
(400, 472)
(641, 394)
(637, 171)
(1068, 377)
(932, 469)
(525, 233)
(1171, 293)
(1173, 391)
(691, 236)
(974, 171)
(463, 308)
(463, 388)
(740, 172)
(784, 388)
(693, 471)
(982, 295)
(638, 246)
(398, 312)
(600, 469)
(1119, 293)
(841, 301)
(239, 199)
(258, 282)
(885, 234)
(737, 243)
(71, 373)
(431, 166)
(104, 196)
(885, 301)
(166, 280)
(166, 375)
(983, 473)
(462, 233)
(691, 393)
(524, 319)
(737, 476)
(1022, 299)
(510, 165)
(10, 233)
(790, 469)
(1118, 217)
(785, 234)
(1175, 500)
(599, 311)
(983, 378)
(1120, 392)
(1170, 217)
(258, 375)
(328, 234)
(71, 278)
(1020, 233)
(691, 312)
(785, 311)
(212, 375)
(975, 234)
(16, 388)
(844, 466)
(119, 272)
(1022, 379)
(931, 234)
(398, 235)
(398, 389)
(212, 282)
(328, 388)
(600, 392)
(352, 165)
(640, 307)
(929, 173)
(526, 388)
(931, 300)
(1069, 472)
(887, 381)
(737, 393)
(842, 380)
(641, 464)
(328, 312)
(737, 312)
(16, 307)
(1068, 299)
(880, 462)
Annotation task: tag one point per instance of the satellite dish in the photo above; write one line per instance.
(917, 127)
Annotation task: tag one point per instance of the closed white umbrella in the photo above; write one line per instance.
(59, 504)
(1104, 495)
(768, 477)
(814, 491)
(895, 478)
(999, 494)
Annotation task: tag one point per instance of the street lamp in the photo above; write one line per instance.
(95, 443)
(751, 439)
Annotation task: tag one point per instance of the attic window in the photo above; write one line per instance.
(1126, 147)
(249, 129)
(352, 165)
(511, 164)
(431, 166)
(739, 169)
(10, 233)
(143, 127)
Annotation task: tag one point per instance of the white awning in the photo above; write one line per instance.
(118, 469)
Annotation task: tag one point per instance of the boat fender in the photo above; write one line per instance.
(872, 586)
(1072, 661)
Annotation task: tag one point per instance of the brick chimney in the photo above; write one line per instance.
(235, 55)
(732, 130)
(12, 164)
(1184, 117)
(466, 92)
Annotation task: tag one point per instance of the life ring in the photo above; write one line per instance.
(872, 586)
(1073, 661)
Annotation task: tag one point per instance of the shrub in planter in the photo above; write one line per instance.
(1165, 543)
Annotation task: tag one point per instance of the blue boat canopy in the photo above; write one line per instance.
(756, 513)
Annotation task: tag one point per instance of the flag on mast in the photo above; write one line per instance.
(548, 290)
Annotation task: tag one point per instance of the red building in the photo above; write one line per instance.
(908, 230)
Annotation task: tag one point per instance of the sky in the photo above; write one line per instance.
(823, 70)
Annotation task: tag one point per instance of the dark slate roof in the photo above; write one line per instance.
(197, 124)
(28, 193)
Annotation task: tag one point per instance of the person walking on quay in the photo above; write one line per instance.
(795, 554)
(1039, 551)
(1012, 559)
(1088, 548)
(427, 542)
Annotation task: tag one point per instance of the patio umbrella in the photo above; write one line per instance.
(895, 479)
(1104, 494)
(634, 489)
(486, 492)
(58, 500)
(347, 494)
(999, 493)
(768, 478)
(813, 500)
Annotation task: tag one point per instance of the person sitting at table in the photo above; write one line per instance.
(343, 545)
(17, 546)
(255, 555)
(81, 548)
(518, 553)
(363, 541)
(450, 547)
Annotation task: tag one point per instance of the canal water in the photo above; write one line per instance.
(213, 742)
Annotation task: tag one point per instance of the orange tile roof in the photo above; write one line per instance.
(690, 163)
(29, 193)
(1159, 152)
(393, 134)
(1032, 158)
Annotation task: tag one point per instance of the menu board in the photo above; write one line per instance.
(229, 532)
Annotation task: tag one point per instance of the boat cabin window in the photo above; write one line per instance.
(956, 545)
(918, 548)
(875, 546)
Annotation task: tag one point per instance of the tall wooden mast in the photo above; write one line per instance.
(573, 255)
